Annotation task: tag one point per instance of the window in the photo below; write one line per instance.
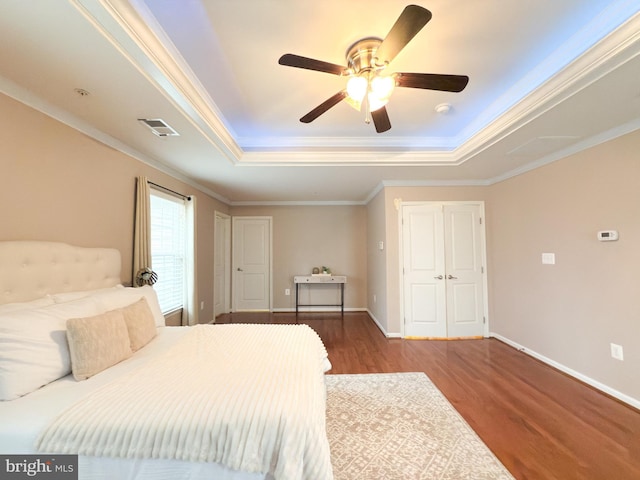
(169, 249)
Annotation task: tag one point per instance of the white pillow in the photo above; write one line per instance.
(70, 296)
(118, 297)
(14, 307)
(115, 298)
(33, 345)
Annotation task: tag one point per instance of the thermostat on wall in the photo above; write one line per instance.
(607, 235)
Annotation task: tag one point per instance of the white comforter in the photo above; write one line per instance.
(251, 397)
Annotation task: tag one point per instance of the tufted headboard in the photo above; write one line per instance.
(32, 269)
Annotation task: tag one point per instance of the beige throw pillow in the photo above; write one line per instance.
(140, 323)
(96, 343)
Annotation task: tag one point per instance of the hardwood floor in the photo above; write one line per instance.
(541, 423)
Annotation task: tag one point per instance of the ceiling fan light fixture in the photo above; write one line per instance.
(382, 86)
(376, 103)
(369, 90)
(355, 104)
(357, 88)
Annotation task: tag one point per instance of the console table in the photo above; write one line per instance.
(317, 280)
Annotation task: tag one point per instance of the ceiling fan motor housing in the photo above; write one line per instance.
(361, 55)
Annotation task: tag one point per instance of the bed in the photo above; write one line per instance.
(88, 367)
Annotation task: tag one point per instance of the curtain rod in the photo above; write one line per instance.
(186, 197)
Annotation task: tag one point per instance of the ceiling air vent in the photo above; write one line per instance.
(159, 127)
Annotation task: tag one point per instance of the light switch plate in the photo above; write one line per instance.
(549, 258)
(617, 352)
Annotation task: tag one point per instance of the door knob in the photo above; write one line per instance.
(439, 277)
(240, 270)
(451, 277)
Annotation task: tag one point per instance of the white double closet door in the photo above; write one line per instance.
(443, 253)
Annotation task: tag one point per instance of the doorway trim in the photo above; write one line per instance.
(226, 263)
(482, 230)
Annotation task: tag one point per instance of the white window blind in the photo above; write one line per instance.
(168, 249)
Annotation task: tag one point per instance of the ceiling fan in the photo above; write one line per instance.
(369, 86)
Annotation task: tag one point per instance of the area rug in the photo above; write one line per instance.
(400, 426)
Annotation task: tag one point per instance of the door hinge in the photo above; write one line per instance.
(484, 319)
(481, 269)
(480, 220)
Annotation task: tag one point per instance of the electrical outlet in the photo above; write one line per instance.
(617, 352)
(201, 305)
(287, 291)
(375, 299)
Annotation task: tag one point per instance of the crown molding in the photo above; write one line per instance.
(574, 61)
(390, 143)
(27, 98)
(538, 92)
(300, 203)
(519, 106)
(571, 150)
(348, 158)
(131, 28)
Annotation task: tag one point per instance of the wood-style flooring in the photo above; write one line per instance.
(540, 423)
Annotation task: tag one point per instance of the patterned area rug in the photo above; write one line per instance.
(400, 426)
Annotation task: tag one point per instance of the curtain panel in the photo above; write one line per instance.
(142, 228)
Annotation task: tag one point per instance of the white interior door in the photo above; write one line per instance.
(424, 284)
(222, 265)
(251, 269)
(443, 275)
(464, 270)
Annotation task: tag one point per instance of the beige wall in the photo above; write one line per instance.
(566, 314)
(57, 184)
(312, 236)
(377, 260)
(571, 311)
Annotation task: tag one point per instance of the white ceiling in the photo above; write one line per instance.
(547, 78)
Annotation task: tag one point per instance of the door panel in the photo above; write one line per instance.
(252, 263)
(459, 228)
(463, 252)
(424, 286)
(424, 304)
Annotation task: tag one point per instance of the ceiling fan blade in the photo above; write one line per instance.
(291, 60)
(409, 23)
(323, 107)
(381, 120)
(432, 81)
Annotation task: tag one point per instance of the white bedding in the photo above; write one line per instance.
(25, 418)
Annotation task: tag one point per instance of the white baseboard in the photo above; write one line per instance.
(589, 381)
(384, 332)
(303, 309)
